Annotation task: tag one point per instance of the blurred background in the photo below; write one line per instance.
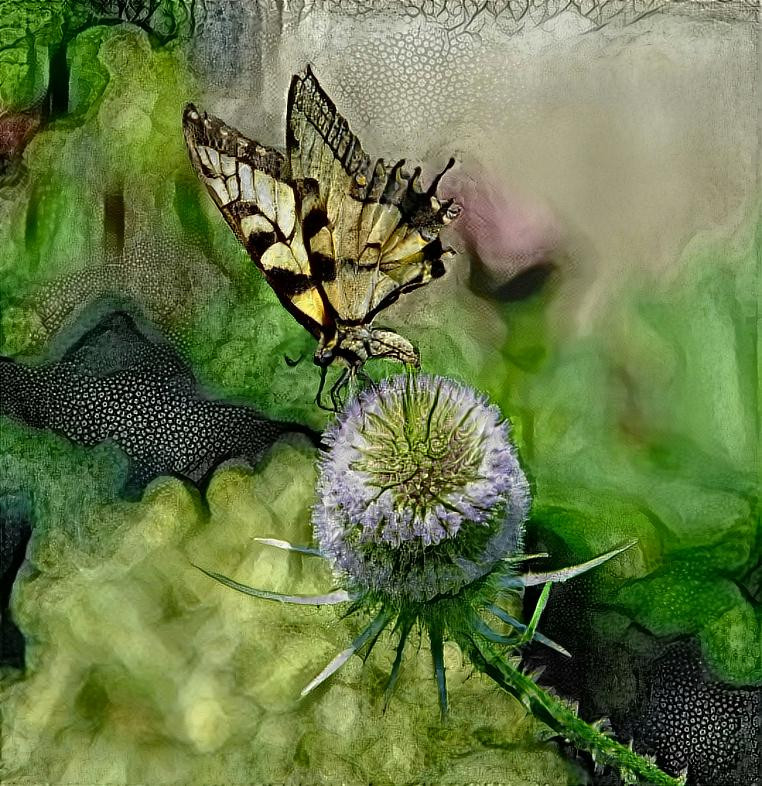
(605, 294)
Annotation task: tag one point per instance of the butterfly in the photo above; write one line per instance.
(339, 237)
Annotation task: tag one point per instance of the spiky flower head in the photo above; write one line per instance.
(420, 492)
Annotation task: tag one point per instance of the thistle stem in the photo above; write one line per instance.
(556, 714)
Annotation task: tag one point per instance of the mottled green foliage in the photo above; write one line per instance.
(648, 427)
(27, 29)
(32, 31)
(59, 487)
(122, 135)
(89, 74)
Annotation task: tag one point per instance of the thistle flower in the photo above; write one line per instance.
(420, 492)
(420, 509)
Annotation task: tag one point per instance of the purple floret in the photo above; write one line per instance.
(420, 492)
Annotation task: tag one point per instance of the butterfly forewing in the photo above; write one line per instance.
(246, 181)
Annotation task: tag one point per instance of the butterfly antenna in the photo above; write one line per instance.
(432, 190)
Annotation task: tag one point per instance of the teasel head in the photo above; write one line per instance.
(420, 509)
(420, 492)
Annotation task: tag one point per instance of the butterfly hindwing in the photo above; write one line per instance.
(371, 228)
(247, 182)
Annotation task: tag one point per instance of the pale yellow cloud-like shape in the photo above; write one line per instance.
(141, 669)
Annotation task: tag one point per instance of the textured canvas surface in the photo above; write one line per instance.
(604, 294)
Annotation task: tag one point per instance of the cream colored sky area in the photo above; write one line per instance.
(636, 137)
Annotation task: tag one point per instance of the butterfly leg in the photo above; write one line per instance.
(292, 363)
(323, 373)
(369, 381)
(338, 387)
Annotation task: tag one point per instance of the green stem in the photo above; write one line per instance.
(556, 714)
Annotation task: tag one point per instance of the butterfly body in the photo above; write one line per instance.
(338, 236)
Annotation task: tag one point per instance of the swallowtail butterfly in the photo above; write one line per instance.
(338, 236)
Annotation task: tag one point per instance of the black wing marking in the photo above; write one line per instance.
(371, 231)
(246, 181)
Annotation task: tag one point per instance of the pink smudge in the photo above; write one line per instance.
(506, 233)
(15, 131)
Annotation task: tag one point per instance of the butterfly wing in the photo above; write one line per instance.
(248, 183)
(371, 231)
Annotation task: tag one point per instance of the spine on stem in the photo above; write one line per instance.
(563, 720)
